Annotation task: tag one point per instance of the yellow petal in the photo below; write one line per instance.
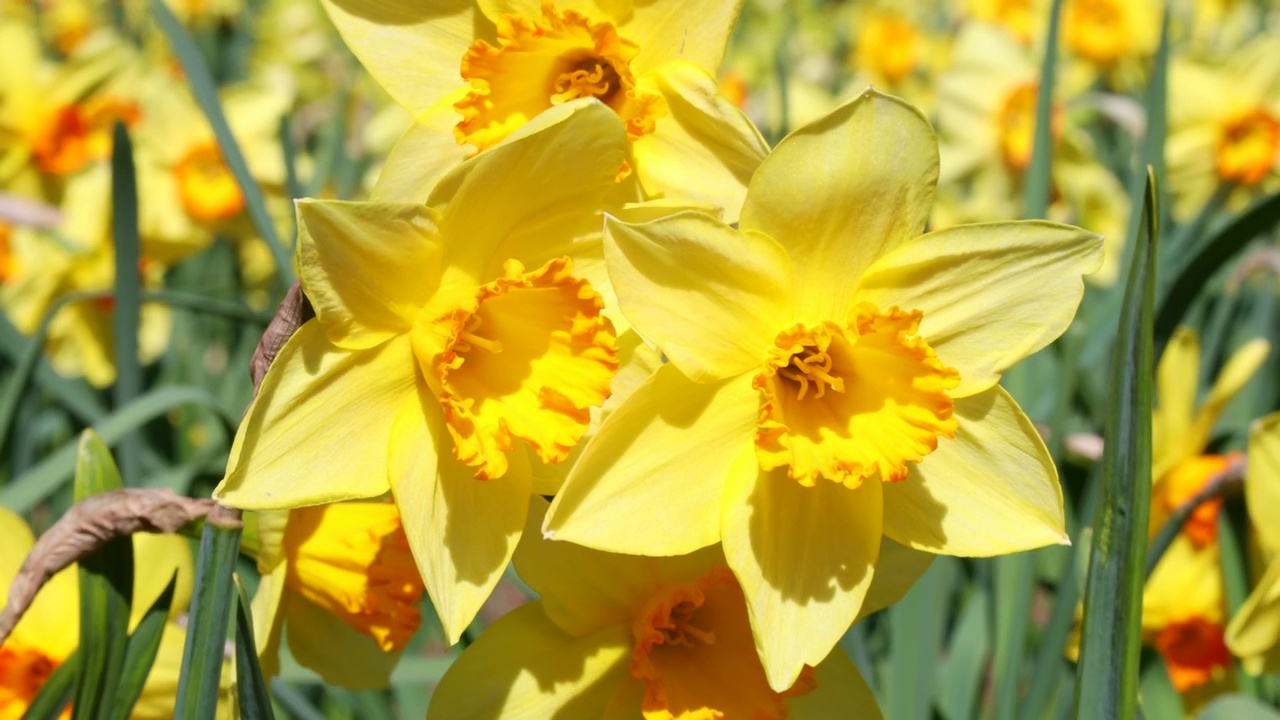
(156, 559)
(321, 641)
(413, 49)
(367, 268)
(841, 693)
(462, 530)
(18, 541)
(1254, 632)
(405, 177)
(709, 297)
(1186, 583)
(540, 187)
(991, 490)
(805, 557)
(704, 149)
(658, 461)
(991, 294)
(523, 666)
(319, 429)
(842, 191)
(674, 30)
(897, 570)
(1177, 378)
(1262, 480)
(268, 620)
(52, 622)
(1241, 366)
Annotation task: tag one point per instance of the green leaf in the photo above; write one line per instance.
(205, 91)
(960, 681)
(916, 625)
(144, 645)
(1107, 681)
(1037, 181)
(255, 700)
(55, 693)
(106, 593)
(127, 307)
(1238, 707)
(1014, 585)
(41, 481)
(200, 681)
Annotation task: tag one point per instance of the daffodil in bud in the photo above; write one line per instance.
(474, 73)
(627, 636)
(341, 586)
(1183, 603)
(832, 379)
(1254, 633)
(454, 346)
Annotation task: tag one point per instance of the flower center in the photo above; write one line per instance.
(1193, 650)
(353, 560)
(546, 61)
(74, 135)
(1097, 30)
(23, 670)
(889, 45)
(526, 359)
(1017, 122)
(1247, 147)
(695, 652)
(854, 402)
(1183, 482)
(206, 186)
(1018, 17)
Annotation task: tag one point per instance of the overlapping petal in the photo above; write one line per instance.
(1240, 367)
(1262, 484)
(711, 298)
(992, 489)
(991, 294)
(658, 461)
(841, 693)
(342, 401)
(1254, 632)
(367, 267)
(805, 557)
(341, 655)
(1177, 377)
(842, 191)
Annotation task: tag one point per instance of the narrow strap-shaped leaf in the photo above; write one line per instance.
(1014, 588)
(127, 306)
(205, 91)
(1107, 679)
(200, 681)
(41, 481)
(106, 592)
(1038, 180)
(916, 625)
(55, 693)
(144, 645)
(255, 699)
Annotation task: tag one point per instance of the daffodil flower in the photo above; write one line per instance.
(625, 636)
(1183, 602)
(832, 379)
(340, 583)
(446, 334)
(496, 64)
(50, 629)
(1254, 632)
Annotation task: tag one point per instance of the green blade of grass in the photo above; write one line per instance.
(106, 592)
(126, 308)
(1038, 179)
(46, 478)
(960, 684)
(199, 683)
(1107, 680)
(1014, 586)
(140, 655)
(205, 91)
(916, 624)
(255, 699)
(55, 693)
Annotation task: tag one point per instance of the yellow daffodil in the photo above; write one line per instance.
(50, 629)
(1184, 610)
(625, 636)
(1111, 33)
(1254, 632)
(1022, 19)
(445, 333)
(832, 379)
(340, 580)
(496, 64)
(1224, 127)
(898, 50)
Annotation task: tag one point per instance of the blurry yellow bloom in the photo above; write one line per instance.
(823, 391)
(654, 64)
(625, 636)
(1254, 632)
(1022, 19)
(444, 333)
(888, 45)
(50, 630)
(340, 580)
(1107, 31)
(1224, 127)
(1183, 614)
